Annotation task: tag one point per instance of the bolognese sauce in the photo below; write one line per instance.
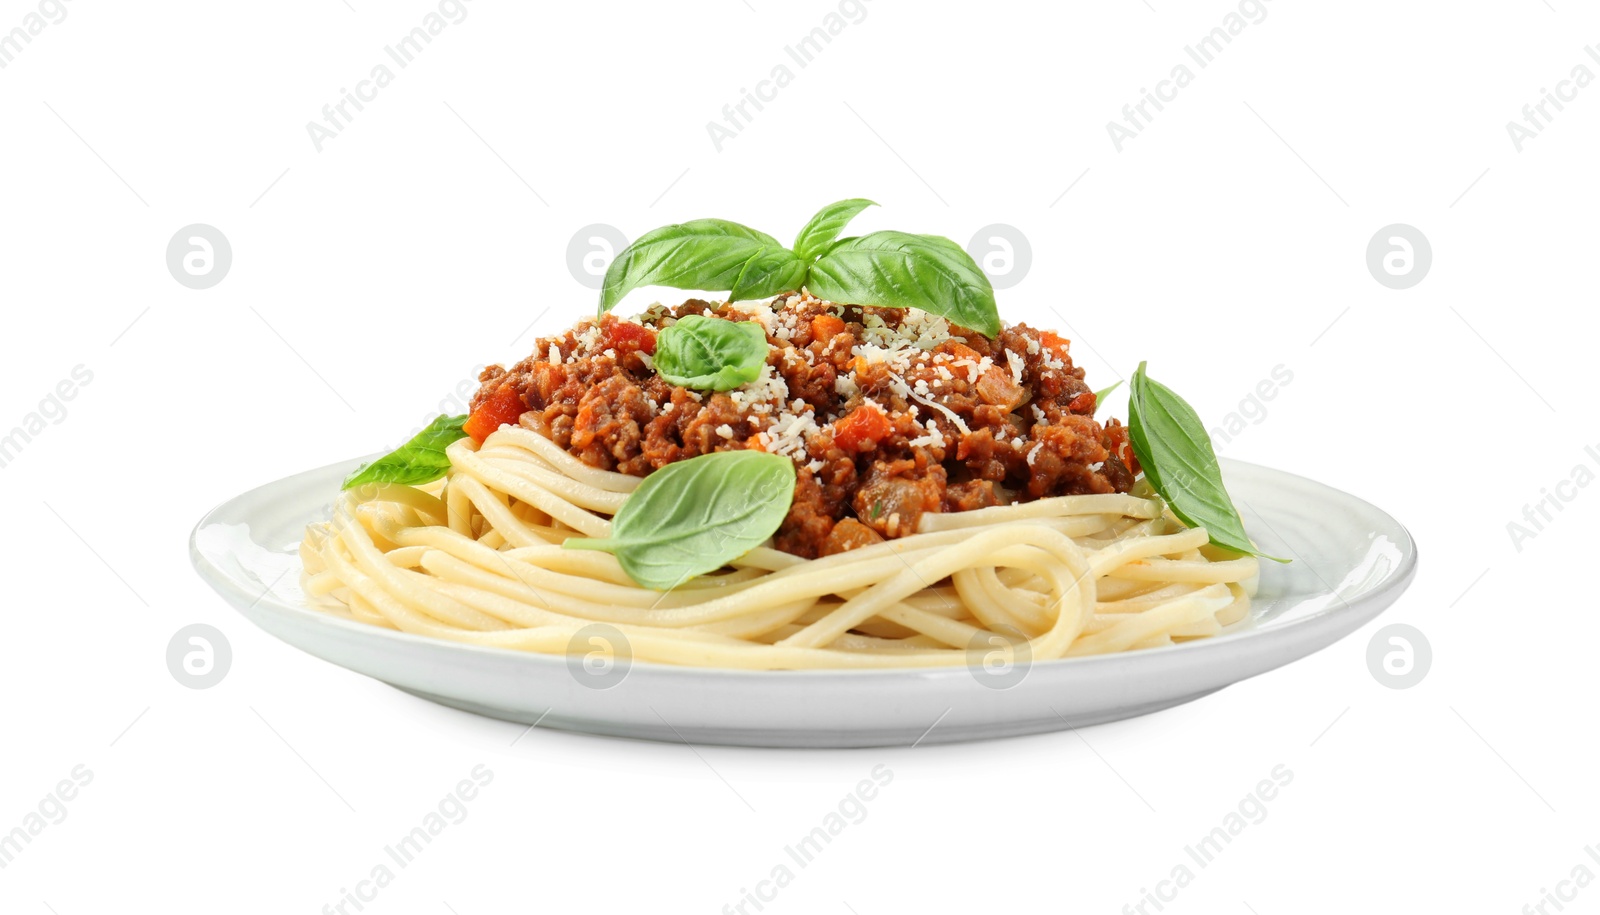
(889, 414)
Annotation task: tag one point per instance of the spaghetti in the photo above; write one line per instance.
(477, 557)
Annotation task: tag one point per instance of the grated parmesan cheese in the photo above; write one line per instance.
(871, 352)
(950, 414)
(788, 432)
(932, 438)
(768, 388)
(758, 311)
(588, 339)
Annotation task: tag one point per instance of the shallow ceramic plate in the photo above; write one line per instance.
(1350, 562)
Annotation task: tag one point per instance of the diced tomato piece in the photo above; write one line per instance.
(1083, 403)
(626, 337)
(825, 327)
(862, 428)
(504, 407)
(997, 387)
(1118, 444)
(961, 351)
(1055, 343)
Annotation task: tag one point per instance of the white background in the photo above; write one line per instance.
(370, 278)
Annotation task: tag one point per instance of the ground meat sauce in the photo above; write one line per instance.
(889, 414)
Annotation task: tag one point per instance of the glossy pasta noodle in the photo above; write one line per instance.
(477, 558)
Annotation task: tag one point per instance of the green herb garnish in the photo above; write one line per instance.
(693, 517)
(901, 270)
(824, 227)
(710, 354)
(1100, 395)
(709, 254)
(420, 460)
(887, 269)
(1173, 448)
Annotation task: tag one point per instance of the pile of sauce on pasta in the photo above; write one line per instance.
(888, 413)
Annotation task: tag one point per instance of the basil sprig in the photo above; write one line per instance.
(1173, 448)
(711, 354)
(887, 269)
(693, 517)
(421, 460)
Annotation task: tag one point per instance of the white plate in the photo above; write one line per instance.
(1350, 562)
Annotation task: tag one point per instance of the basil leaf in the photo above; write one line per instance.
(710, 354)
(420, 460)
(696, 516)
(705, 254)
(901, 270)
(824, 227)
(1173, 447)
(1101, 394)
(769, 272)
